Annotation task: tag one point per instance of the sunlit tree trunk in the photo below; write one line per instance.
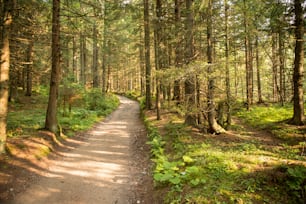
(6, 20)
(51, 117)
(298, 95)
(147, 53)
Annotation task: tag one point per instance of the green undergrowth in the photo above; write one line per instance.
(26, 117)
(274, 118)
(223, 169)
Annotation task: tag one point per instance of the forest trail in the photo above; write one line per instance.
(109, 167)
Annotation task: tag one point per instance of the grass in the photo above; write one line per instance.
(274, 119)
(24, 119)
(264, 117)
(195, 168)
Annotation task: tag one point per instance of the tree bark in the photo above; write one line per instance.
(298, 95)
(228, 85)
(274, 67)
(147, 54)
(158, 55)
(214, 127)
(95, 76)
(260, 99)
(29, 68)
(178, 55)
(74, 60)
(51, 116)
(141, 64)
(190, 86)
(83, 59)
(248, 78)
(282, 85)
(6, 21)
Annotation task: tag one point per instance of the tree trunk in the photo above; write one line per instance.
(51, 117)
(258, 64)
(83, 59)
(141, 64)
(30, 54)
(298, 95)
(214, 127)
(95, 76)
(6, 21)
(274, 67)
(147, 54)
(228, 85)
(248, 78)
(282, 85)
(158, 55)
(178, 55)
(190, 86)
(74, 60)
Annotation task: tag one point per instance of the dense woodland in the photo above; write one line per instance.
(203, 57)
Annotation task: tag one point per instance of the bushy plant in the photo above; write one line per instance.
(103, 104)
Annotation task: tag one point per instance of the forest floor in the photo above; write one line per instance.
(108, 164)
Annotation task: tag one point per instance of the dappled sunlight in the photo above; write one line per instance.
(108, 153)
(98, 170)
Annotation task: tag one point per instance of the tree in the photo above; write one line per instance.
(298, 95)
(178, 49)
(214, 127)
(29, 68)
(190, 91)
(228, 85)
(147, 53)
(7, 8)
(51, 116)
(248, 57)
(95, 76)
(158, 53)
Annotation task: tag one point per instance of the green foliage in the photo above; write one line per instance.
(204, 170)
(273, 118)
(296, 181)
(263, 117)
(132, 94)
(91, 107)
(102, 104)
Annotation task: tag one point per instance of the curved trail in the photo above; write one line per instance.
(104, 169)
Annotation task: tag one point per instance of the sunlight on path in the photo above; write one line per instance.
(96, 172)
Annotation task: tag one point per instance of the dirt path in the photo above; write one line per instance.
(109, 167)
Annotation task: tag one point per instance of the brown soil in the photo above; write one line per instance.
(108, 164)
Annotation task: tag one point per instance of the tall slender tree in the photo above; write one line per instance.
(214, 127)
(298, 95)
(190, 90)
(95, 76)
(51, 116)
(147, 53)
(227, 69)
(7, 7)
(178, 49)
